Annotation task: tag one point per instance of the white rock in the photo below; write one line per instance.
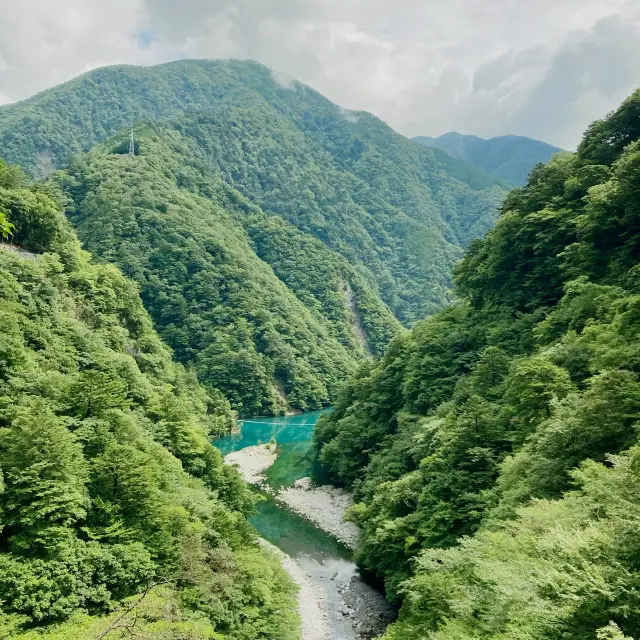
(303, 483)
(252, 462)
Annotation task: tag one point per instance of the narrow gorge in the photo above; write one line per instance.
(270, 370)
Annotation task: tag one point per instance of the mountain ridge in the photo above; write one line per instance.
(509, 157)
(193, 244)
(387, 205)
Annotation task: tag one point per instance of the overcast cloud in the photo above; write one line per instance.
(542, 68)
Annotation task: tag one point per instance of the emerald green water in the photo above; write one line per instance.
(293, 436)
(295, 535)
(326, 562)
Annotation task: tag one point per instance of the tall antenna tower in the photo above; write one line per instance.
(132, 146)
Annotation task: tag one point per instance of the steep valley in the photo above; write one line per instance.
(198, 257)
(277, 240)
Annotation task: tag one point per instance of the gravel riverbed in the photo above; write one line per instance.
(313, 618)
(324, 506)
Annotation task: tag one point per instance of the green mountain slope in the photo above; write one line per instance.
(396, 211)
(195, 246)
(116, 512)
(494, 449)
(508, 157)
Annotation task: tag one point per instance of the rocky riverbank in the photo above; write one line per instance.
(324, 506)
(333, 602)
(370, 614)
(314, 624)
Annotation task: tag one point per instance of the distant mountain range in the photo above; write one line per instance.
(508, 157)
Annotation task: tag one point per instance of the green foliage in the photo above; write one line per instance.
(562, 569)
(396, 211)
(6, 228)
(606, 139)
(44, 472)
(197, 250)
(109, 484)
(493, 449)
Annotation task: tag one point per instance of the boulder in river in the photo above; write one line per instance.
(303, 483)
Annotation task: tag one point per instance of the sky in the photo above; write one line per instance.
(540, 68)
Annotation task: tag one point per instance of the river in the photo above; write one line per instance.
(352, 606)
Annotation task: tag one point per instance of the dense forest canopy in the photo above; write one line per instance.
(398, 212)
(510, 158)
(268, 316)
(494, 448)
(109, 486)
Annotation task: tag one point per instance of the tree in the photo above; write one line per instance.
(94, 392)
(45, 475)
(530, 390)
(490, 370)
(6, 228)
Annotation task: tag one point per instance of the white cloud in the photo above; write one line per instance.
(489, 67)
(349, 116)
(283, 80)
(43, 43)
(588, 76)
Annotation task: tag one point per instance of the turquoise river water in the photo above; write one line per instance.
(295, 535)
(350, 605)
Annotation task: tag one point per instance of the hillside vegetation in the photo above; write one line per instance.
(201, 252)
(494, 448)
(116, 512)
(397, 212)
(510, 158)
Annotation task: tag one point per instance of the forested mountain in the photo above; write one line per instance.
(269, 338)
(116, 512)
(398, 212)
(494, 448)
(508, 157)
